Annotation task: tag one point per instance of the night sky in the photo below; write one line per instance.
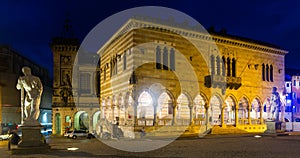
(28, 26)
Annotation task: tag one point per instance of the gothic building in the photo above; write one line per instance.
(160, 75)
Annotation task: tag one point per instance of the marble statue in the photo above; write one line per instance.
(31, 92)
(275, 104)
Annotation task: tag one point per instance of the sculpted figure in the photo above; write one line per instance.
(275, 104)
(31, 92)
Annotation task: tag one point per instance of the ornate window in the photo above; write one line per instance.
(218, 65)
(271, 73)
(212, 63)
(223, 66)
(267, 72)
(158, 58)
(263, 72)
(228, 67)
(85, 84)
(165, 59)
(172, 59)
(233, 67)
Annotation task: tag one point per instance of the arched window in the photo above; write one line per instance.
(212, 63)
(267, 72)
(158, 58)
(263, 72)
(165, 59)
(233, 67)
(223, 66)
(271, 73)
(172, 59)
(228, 67)
(218, 65)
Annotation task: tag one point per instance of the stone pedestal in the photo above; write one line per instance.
(31, 135)
(273, 127)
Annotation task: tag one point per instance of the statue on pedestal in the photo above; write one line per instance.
(275, 104)
(31, 91)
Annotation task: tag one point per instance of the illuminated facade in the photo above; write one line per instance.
(72, 109)
(226, 89)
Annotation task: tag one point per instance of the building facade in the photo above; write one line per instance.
(155, 75)
(73, 108)
(11, 63)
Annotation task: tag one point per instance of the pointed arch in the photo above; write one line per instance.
(229, 110)
(255, 108)
(266, 108)
(243, 110)
(215, 110)
(164, 106)
(200, 103)
(183, 109)
(145, 105)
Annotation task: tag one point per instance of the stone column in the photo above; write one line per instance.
(112, 113)
(191, 106)
(249, 116)
(261, 115)
(126, 115)
(236, 115)
(155, 114)
(135, 121)
(206, 117)
(174, 113)
(222, 115)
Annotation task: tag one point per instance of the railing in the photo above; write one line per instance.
(182, 122)
(145, 122)
(164, 122)
(199, 121)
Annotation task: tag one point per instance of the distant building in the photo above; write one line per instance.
(11, 63)
(292, 85)
(73, 109)
(235, 81)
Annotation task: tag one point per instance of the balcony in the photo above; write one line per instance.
(218, 81)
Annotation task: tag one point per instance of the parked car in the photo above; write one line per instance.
(4, 137)
(78, 133)
(67, 134)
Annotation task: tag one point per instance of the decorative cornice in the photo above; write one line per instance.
(192, 32)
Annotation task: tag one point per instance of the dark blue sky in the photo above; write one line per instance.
(28, 26)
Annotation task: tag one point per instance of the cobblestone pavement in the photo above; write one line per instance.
(223, 146)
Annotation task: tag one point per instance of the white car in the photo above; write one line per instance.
(4, 137)
(78, 133)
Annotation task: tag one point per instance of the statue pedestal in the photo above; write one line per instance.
(273, 127)
(32, 137)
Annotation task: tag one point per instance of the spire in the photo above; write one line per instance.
(67, 28)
